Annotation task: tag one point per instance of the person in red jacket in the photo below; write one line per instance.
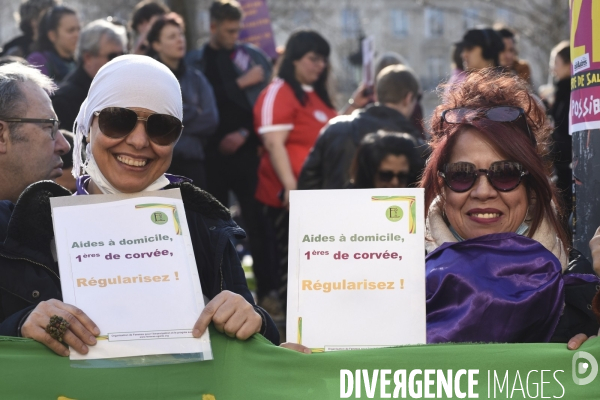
(288, 116)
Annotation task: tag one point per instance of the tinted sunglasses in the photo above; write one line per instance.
(387, 176)
(496, 114)
(111, 56)
(118, 122)
(504, 176)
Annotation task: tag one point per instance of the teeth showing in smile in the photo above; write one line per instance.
(131, 161)
(487, 215)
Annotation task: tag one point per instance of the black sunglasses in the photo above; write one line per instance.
(118, 122)
(504, 176)
(55, 123)
(111, 56)
(497, 114)
(387, 176)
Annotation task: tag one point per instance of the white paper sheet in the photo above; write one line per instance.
(130, 266)
(367, 290)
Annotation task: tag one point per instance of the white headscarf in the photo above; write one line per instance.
(126, 81)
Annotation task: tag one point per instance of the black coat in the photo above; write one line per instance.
(577, 316)
(562, 141)
(328, 164)
(29, 274)
(68, 98)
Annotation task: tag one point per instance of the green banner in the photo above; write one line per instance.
(255, 369)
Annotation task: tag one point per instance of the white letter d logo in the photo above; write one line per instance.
(583, 367)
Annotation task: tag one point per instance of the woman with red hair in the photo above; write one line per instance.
(498, 257)
(498, 265)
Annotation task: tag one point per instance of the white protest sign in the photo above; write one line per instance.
(130, 266)
(356, 276)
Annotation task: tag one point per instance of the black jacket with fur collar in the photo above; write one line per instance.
(29, 274)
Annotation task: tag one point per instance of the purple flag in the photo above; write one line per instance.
(256, 26)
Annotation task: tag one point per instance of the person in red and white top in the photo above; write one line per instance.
(288, 116)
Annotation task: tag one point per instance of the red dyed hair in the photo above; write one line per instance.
(484, 89)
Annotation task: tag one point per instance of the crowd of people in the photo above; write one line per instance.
(226, 123)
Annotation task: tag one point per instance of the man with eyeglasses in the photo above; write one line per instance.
(99, 42)
(31, 145)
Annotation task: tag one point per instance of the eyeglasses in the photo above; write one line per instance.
(111, 56)
(497, 114)
(55, 123)
(118, 122)
(316, 58)
(504, 176)
(387, 176)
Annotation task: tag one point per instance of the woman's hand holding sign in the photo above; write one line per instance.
(80, 333)
(231, 314)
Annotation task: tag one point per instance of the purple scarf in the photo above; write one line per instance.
(495, 288)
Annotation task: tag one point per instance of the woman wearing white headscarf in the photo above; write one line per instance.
(130, 122)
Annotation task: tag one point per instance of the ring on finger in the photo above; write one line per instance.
(57, 327)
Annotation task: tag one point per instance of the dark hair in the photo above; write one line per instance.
(487, 88)
(300, 43)
(157, 27)
(488, 39)
(145, 10)
(457, 60)
(388, 58)
(226, 10)
(506, 33)
(563, 49)
(374, 147)
(30, 10)
(394, 83)
(50, 22)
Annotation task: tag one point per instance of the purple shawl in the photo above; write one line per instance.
(495, 288)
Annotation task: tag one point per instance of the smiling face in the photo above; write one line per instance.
(131, 163)
(309, 68)
(482, 210)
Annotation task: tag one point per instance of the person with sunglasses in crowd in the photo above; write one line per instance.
(498, 265)
(386, 160)
(499, 268)
(130, 128)
(100, 41)
(166, 41)
(58, 32)
(328, 163)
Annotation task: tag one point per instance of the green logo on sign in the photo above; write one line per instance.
(394, 213)
(159, 218)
